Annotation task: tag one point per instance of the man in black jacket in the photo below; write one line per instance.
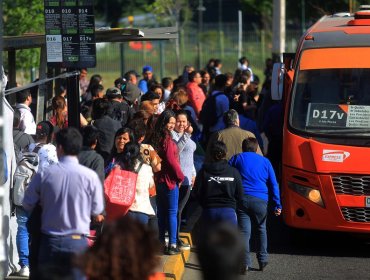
(106, 125)
(218, 188)
(88, 156)
(119, 110)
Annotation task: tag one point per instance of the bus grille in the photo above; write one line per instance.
(361, 215)
(352, 185)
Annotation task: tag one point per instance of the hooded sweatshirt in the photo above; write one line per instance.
(218, 185)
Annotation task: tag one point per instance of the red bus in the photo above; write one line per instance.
(325, 88)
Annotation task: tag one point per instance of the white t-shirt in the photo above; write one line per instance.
(144, 182)
(27, 122)
(47, 155)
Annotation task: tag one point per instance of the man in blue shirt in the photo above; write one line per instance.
(148, 78)
(259, 181)
(69, 194)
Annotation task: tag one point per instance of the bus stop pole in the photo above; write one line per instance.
(73, 96)
(2, 237)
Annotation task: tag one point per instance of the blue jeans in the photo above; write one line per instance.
(222, 214)
(138, 216)
(167, 207)
(184, 194)
(57, 253)
(22, 236)
(253, 210)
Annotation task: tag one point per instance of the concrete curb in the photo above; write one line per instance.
(174, 266)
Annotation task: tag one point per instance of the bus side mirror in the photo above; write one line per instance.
(277, 81)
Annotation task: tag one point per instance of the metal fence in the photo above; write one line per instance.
(215, 42)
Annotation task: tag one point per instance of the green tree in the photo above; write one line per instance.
(174, 12)
(20, 17)
(112, 11)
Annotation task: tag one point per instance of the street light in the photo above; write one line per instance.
(200, 9)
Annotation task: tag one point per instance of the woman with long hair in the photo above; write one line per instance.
(181, 135)
(126, 249)
(167, 179)
(60, 116)
(123, 136)
(131, 160)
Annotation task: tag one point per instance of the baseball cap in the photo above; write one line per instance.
(113, 92)
(147, 68)
(44, 128)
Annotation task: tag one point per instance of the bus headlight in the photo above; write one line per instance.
(311, 194)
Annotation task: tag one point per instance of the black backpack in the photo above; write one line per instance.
(120, 112)
(208, 115)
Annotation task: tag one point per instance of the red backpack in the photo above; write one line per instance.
(119, 190)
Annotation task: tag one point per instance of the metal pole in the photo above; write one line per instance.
(220, 28)
(201, 9)
(162, 59)
(73, 94)
(122, 57)
(2, 230)
(240, 45)
(303, 16)
(278, 30)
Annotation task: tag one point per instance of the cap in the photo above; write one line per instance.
(113, 92)
(129, 73)
(44, 128)
(147, 68)
(131, 93)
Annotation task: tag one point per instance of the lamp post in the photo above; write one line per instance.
(303, 16)
(200, 9)
(220, 28)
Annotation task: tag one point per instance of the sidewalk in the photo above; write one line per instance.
(174, 266)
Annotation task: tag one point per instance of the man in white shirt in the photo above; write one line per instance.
(27, 123)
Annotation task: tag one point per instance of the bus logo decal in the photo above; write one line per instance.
(334, 155)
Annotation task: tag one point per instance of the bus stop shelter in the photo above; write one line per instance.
(104, 35)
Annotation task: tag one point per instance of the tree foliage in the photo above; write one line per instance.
(313, 10)
(174, 12)
(20, 17)
(113, 10)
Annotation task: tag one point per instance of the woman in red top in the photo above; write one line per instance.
(167, 179)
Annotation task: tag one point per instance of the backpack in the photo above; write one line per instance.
(25, 170)
(208, 115)
(120, 112)
(119, 190)
(17, 148)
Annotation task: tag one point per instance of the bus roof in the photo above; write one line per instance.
(338, 31)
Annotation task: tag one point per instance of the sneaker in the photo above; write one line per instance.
(182, 245)
(172, 250)
(24, 272)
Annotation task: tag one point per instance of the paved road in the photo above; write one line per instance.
(315, 255)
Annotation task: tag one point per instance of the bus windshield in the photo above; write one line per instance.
(333, 101)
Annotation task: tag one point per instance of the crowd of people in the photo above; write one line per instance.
(194, 137)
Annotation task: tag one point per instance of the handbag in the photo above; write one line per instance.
(119, 190)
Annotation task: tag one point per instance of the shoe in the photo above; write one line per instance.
(24, 272)
(183, 246)
(173, 251)
(262, 265)
(244, 269)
